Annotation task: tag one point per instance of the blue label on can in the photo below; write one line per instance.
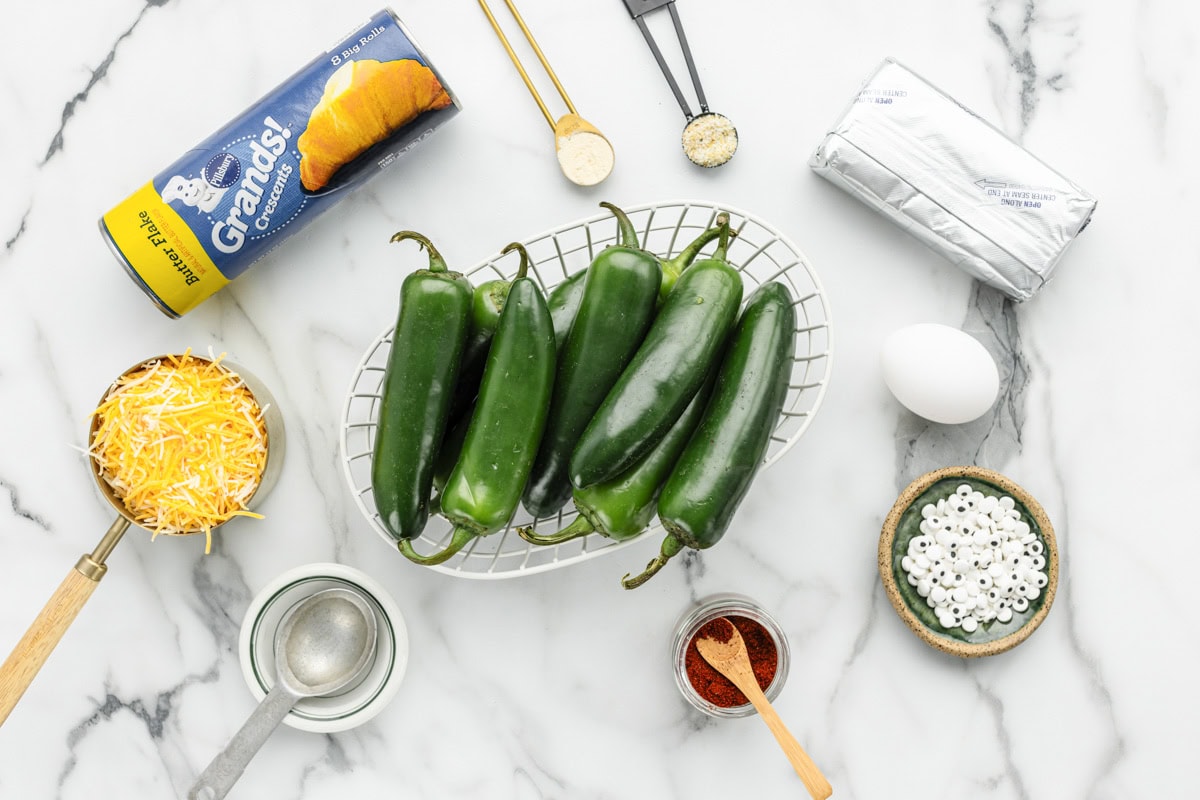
(324, 131)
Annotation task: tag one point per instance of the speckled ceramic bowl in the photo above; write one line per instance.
(902, 524)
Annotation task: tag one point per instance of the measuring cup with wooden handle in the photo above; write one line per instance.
(31, 652)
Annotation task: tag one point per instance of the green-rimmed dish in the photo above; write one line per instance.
(903, 523)
(357, 703)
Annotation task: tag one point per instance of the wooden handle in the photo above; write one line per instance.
(40, 640)
(813, 780)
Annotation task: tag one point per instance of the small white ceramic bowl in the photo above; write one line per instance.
(359, 703)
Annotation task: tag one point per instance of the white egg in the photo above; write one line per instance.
(940, 373)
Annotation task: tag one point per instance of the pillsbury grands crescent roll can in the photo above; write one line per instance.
(324, 131)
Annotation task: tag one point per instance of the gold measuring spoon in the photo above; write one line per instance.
(31, 652)
(584, 154)
(730, 658)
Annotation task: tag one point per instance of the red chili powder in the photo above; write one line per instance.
(715, 687)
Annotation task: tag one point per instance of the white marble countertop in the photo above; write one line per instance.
(558, 685)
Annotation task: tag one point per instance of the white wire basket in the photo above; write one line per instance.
(759, 251)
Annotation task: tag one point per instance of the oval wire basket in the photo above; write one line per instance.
(759, 251)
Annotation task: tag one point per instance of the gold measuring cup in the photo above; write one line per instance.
(31, 652)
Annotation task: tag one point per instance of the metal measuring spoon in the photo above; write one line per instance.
(324, 644)
(709, 138)
(584, 154)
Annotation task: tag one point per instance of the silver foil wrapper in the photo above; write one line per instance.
(957, 183)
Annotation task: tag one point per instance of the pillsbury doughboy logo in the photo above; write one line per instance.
(194, 192)
(204, 193)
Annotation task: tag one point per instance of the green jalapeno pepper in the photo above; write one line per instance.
(616, 308)
(666, 371)
(448, 453)
(622, 508)
(418, 384)
(563, 302)
(484, 488)
(713, 474)
(486, 303)
(619, 299)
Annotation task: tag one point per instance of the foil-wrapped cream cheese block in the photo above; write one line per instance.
(956, 182)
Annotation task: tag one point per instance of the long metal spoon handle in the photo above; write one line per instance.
(687, 57)
(220, 775)
(662, 65)
(517, 62)
(540, 55)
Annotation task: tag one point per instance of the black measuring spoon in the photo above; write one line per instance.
(709, 138)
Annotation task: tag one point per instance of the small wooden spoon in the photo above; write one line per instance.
(731, 660)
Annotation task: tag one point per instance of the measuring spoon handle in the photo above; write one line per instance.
(224, 770)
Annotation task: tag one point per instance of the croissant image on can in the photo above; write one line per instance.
(363, 103)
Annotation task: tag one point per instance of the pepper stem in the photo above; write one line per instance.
(670, 548)
(436, 262)
(628, 234)
(686, 256)
(580, 526)
(723, 244)
(672, 268)
(462, 536)
(522, 270)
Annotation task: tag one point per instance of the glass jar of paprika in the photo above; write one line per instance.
(705, 688)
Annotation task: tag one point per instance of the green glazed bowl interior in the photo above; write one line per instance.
(903, 524)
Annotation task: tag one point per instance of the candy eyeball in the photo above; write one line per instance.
(986, 573)
(915, 360)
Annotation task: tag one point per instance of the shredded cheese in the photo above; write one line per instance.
(183, 444)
